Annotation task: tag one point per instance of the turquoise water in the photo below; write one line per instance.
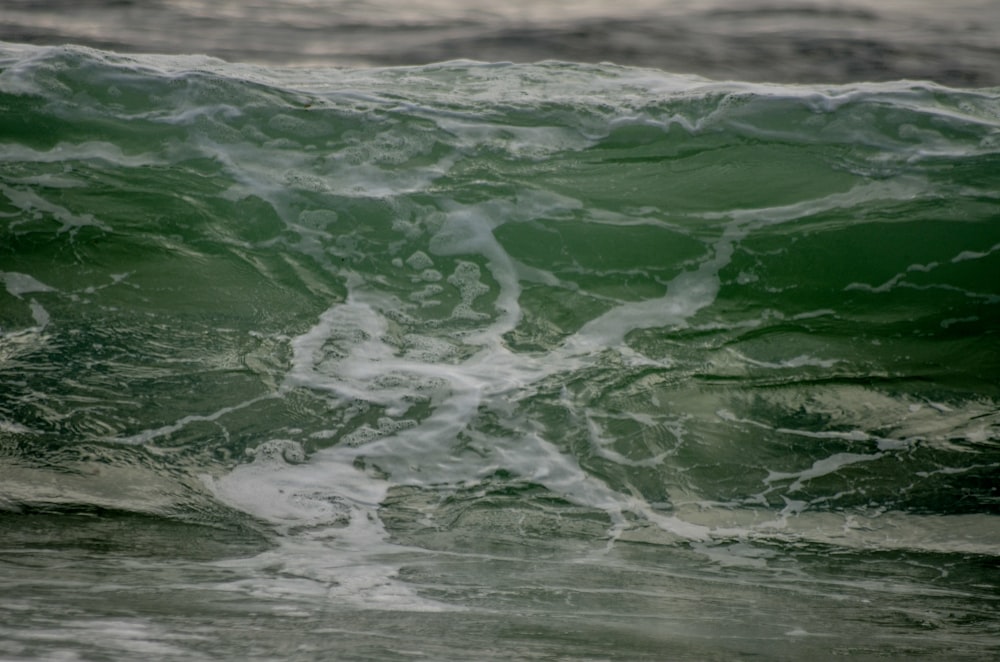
(486, 361)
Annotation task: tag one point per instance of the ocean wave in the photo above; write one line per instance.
(400, 313)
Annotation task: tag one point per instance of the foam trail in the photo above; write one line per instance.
(333, 544)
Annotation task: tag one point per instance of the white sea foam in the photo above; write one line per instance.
(351, 355)
(18, 283)
(35, 206)
(447, 409)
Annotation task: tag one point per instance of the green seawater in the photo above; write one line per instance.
(493, 361)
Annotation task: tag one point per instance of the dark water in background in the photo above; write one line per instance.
(477, 361)
(806, 41)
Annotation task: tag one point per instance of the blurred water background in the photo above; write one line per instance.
(805, 41)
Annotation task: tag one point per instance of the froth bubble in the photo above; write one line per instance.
(278, 451)
(419, 261)
(466, 279)
(424, 295)
(306, 181)
(431, 275)
(385, 427)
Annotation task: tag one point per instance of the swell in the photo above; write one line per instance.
(625, 289)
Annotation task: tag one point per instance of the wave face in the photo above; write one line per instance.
(494, 361)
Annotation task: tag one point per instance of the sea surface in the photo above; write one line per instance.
(952, 42)
(480, 360)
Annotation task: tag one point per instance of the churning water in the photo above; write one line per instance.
(494, 361)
